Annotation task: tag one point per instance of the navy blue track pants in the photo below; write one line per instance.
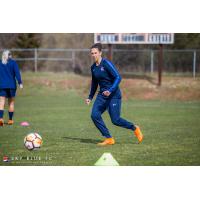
(113, 106)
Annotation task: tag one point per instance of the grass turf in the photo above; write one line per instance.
(171, 130)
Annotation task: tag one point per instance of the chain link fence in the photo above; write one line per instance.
(185, 62)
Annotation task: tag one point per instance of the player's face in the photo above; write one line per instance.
(95, 54)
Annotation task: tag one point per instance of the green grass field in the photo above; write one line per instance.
(171, 130)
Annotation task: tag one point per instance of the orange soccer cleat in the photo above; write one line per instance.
(10, 122)
(107, 141)
(138, 134)
(1, 122)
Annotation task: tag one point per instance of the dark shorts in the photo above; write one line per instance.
(8, 93)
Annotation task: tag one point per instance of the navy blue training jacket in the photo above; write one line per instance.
(107, 77)
(8, 74)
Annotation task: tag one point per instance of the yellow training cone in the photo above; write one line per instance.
(106, 160)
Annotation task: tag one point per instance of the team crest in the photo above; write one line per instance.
(102, 69)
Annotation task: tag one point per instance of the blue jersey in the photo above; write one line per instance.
(8, 74)
(107, 77)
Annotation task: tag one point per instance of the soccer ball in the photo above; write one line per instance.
(33, 141)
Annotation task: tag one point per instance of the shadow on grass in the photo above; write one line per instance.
(93, 141)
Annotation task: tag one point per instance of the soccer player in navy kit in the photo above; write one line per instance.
(105, 74)
(9, 72)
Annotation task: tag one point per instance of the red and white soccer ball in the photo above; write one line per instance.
(33, 141)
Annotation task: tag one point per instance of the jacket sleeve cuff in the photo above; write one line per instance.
(89, 97)
(110, 90)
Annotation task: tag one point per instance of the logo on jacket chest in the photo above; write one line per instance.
(102, 69)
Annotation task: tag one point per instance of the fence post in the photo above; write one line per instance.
(73, 59)
(35, 60)
(152, 61)
(194, 64)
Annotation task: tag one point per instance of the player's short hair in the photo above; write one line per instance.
(5, 56)
(97, 46)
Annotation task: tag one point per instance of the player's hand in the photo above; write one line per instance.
(87, 101)
(21, 86)
(106, 93)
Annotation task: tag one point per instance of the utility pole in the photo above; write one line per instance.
(110, 52)
(160, 64)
